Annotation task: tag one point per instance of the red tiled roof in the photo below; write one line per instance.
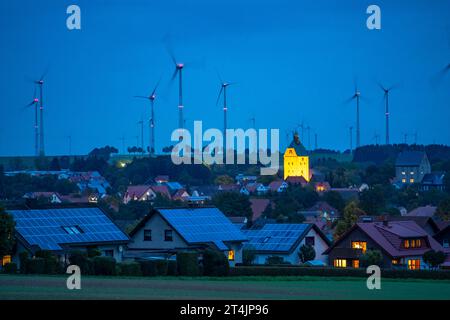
(137, 191)
(162, 189)
(179, 194)
(258, 206)
(275, 185)
(389, 237)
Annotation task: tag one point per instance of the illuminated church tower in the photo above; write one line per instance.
(296, 160)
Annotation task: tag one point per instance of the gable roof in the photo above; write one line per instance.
(433, 178)
(161, 189)
(44, 228)
(426, 211)
(283, 238)
(258, 206)
(137, 191)
(275, 185)
(410, 158)
(389, 237)
(198, 225)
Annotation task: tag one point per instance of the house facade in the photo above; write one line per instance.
(63, 230)
(401, 243)
(164, 232)
(284, 241)
(411, 167)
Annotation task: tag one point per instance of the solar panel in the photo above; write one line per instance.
(199, 225)
(275, 237)
(50, 228)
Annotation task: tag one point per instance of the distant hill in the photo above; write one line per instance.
(380, 153)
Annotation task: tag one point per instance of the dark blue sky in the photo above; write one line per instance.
(293, 61)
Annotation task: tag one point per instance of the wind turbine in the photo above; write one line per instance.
(386, 100)
(253, 120)
(308, 128)
(35, 102)
(178, 71)
(151, 98)
(141, 124)
(40, 83)
(351, 138)
(376, 136)
(223, 89)
(357, 96)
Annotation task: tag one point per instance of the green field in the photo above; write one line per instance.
(54, 287)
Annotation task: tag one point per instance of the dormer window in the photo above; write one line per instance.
(412, 243)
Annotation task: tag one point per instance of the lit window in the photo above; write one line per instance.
(340, 263)
(411, 180)
(414, 264)
(403, 180)
(231, 255)
(403, 173)
(406, 244)
(412, 172)
(359, 245)
(355, 264)
(148, 235)
(395, 261)
(6, 260)
(168, 235)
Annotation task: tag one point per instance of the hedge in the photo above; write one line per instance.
(129, 269)
(334, 272)
(81, 259)
(36, 266)
(154, 267)
(172, 268)
(215, 263)
(104, 266)
(187, 264)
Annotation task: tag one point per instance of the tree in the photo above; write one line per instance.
(306, 253)
(372, 200)
(223, 179)
(54, 164)
(233, 204)
(443, 210)
(371, 257)
(434, 258)
(335, 200)
(351, 214)
(6, 233)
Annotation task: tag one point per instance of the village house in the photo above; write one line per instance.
(284, 241)
(401, 243)
(50, 197)
(411, 167)
(139, 193)
(278, 186)
(164, 232)
(65, 229)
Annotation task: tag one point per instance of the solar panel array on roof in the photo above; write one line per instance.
(50, 228)
(202, 225)
(275, 237)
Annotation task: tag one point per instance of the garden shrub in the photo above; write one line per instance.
(80, 259)
(154, 267)
(24, 259)
(36, 266)
(215, 263)
(104, 266)
(187, 264)
(10, 268)
(129, 269)
(93, 252)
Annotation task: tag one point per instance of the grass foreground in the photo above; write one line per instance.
(44, 287)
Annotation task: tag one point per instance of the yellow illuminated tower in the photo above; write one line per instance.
(296, 160)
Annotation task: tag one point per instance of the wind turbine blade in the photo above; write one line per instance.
(142, 97)
(174, 75)
(349, 99)
(382, 87)
(156, 86)
(218, 76)
(44, 73)
(218, 97)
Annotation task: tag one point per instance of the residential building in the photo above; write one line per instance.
(296, 160)
(164, 232)
(139, 193)
(284, 241)
(62, 230)
(258, 207)
(278, 186)
(50, 197)
(433, 181)
(426, 211)
(401, 243)
(411, 167)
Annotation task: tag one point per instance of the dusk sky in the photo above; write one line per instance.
(293, 61)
